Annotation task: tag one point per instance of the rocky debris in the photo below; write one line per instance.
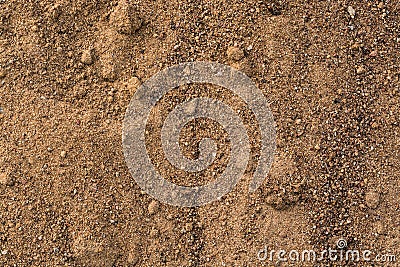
(110, 99)
(3, 73)
(87, 252)
(191, 107)
(372, 198)
(6, 179)
(351, 11)
(87, 56)
(154, 233)
(282, 169)
(373, 53)
(276, 202)
(110, 46)
(133, 84)
(379, 228)
(112, 39)
(153, 207)
(55, 11)
(133, 257)
(234, 53)
(360, 70)
(244, 66)
(125, 18)
(237, 60)
(63, 154)
(109, 70)
(275, 8)
(356, 46)
(290, 190)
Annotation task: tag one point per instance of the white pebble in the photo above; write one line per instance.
(351, 11)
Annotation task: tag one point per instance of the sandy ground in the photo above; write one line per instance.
(329, 69)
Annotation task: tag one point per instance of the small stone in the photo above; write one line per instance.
(351, 11)
(110, 68)
(56, 11)
(88, 252)
(234, 53)
(87, 56)
(133, 84)
(133, 257)
(125, 18)
(189, 227)
(356, 46)
(360, 70)
(373, 53)
(379, 228)
(3, 73)
(381, 5)
(317, 147)
(63, 154)
(109, 73)
(6, 179)
(276, 202)
(154, 233)
(243, 66)
(372, 199)
(191, 107)
(153, 207)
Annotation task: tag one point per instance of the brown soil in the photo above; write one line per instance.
(69, 68)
